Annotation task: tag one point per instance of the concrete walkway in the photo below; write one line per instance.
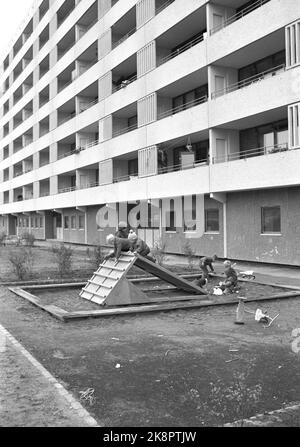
(283, 275)
(30, 396)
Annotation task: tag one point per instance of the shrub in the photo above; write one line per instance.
(28, 238)
(189, 252)
(22, 261)
(159, 251)
(2, 237)
(98, 255)
(63, 256)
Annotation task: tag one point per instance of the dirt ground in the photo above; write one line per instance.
(182, 368)
(69, 299)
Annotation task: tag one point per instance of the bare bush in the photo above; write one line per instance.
(27, 238)
(63, 256)
(98, 255)
(22, 261)
(2, 237)
(189, 252)
(159, 252)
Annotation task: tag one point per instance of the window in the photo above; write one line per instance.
(81, 222)
(73, 222)
(36, 222)
(66, 222)
(41, 222)
(133, 166)
(212, 221)
(170, 218)
(189, 213)
(270, 220)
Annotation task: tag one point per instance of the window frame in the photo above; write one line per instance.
(206, 230)
(265, 232)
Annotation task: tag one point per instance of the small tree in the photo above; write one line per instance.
(2, 237)
(98, 255)
(22, 261)
(189, 252)
(63, 256)
(159, 251)
(28, 238)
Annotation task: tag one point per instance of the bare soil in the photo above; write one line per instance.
(176, 368)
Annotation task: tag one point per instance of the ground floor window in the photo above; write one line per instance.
(81, 222)
(73, 222)
(170, 217)
(66, 222)
(189, 214)
(212, 220)
(270, 219)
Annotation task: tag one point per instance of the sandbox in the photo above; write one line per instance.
(62, 301)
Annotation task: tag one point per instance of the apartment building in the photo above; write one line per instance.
(111, 109)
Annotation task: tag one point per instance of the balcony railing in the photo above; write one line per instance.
(183, 107)
(119, 132)
(265, 150)
(123, 38)
(68, 189)
(84, 107)
(238, 16)
(249, 81)
(179, 167)
(78, 149)
(182, 49)
(44, 193)
(125, 178)
(124, 83)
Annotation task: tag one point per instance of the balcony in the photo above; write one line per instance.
(64, 11)
(238, 15)
(118, 132)
(124, 28)
(249, 81)
(181, 49)
(258, 152)
(181, 108)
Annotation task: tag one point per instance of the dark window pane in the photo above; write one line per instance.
(271, 219)
(212, 220)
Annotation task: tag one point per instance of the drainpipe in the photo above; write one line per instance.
(222, 198)
(225, 228)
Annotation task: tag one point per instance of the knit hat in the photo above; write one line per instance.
(110, 239)
(122, 224)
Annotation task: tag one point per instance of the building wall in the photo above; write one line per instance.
(208, 244)
(245, 241)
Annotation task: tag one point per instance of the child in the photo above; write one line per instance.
(207, 262)
(140, 247)
(231, 279)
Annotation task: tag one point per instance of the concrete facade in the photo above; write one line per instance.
(112, 101)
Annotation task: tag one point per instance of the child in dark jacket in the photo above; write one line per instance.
(140, 247)
(207, 262)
